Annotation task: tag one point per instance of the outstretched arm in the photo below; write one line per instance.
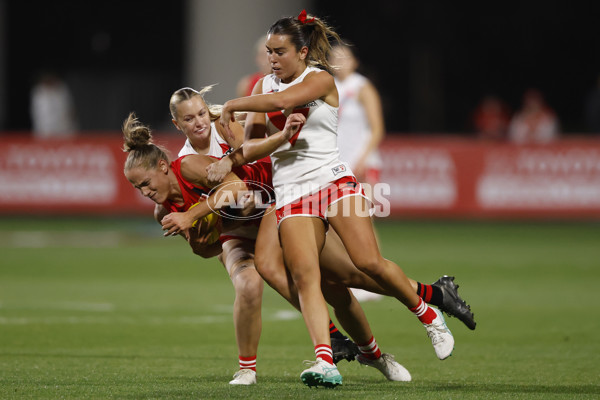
(316, 85)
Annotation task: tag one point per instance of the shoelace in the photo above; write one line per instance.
(435, 334)
(385, 358)
(242, 372)
(326, 370)
(388, 358)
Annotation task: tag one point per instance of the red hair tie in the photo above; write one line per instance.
(302, 18)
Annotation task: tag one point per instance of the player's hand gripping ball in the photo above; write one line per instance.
(208, 224)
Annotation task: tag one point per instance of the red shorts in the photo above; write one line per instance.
(316, 204)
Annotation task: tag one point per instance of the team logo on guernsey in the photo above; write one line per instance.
(338, 169)
(248, 204)
(226, 149)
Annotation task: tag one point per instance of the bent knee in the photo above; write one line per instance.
(246, 279)
(269, 268)
(371, 266)
(249, 292)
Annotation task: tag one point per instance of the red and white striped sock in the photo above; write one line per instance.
(248, 363)
(324, 352)
(370, 349)
(425, 313)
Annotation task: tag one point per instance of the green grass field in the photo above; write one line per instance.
(110, 309)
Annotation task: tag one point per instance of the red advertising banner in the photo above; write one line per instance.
(75, 176)
(428, 177)
(457, 177)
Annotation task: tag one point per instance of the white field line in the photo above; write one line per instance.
(43, 239)
(104, 319)
(64, 306)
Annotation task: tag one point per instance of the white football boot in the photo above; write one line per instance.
(440, 335)
(244, 377)
(388, 366)
(321, 373)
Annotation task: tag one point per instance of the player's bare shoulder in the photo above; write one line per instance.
(193, 167)
(325, 82)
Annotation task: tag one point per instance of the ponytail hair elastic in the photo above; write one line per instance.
(302, 18)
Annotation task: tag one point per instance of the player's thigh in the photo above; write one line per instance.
(355, 229)
(237, 256)
(337, 266)
(335, 262)
(302, 239)
(268, 257)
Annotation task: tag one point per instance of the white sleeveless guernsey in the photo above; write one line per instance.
(218, 146)
(354, 132)
(310, 159)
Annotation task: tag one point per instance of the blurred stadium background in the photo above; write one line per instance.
(94, 303)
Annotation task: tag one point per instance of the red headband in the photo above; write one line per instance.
(302, 18)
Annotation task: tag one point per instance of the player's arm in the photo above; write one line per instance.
(370, 100)
(255, 149)
(255, 123)
(316, 85)
(201, 247)
(236, 128)
(196, 238)
(256, 145)
(193, 170)
(216, 171)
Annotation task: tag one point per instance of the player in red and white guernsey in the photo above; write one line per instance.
(191, 115)
(196, 119)
(313, 187)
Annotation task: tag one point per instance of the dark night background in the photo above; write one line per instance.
(431, 60)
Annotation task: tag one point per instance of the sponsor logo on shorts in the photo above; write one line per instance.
(338, 169)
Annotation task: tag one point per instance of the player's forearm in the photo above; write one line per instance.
(235, 158)
(230, 190)
(201, 210)
(257, 103)
(255, 149)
